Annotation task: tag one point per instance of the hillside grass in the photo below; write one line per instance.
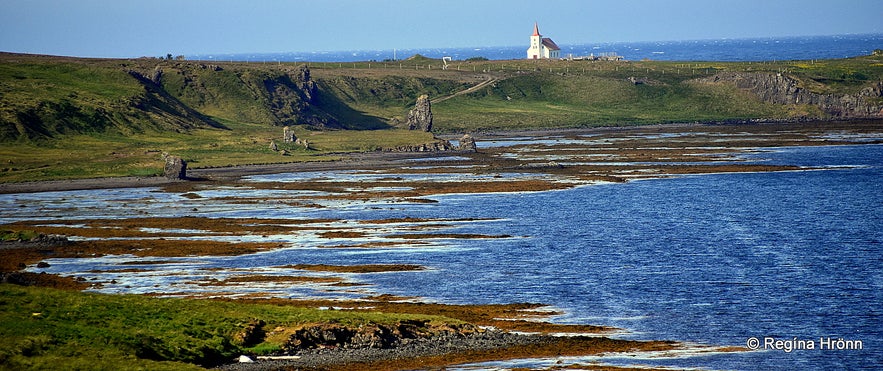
(44, 328)
(140, 154)
(536, 94)
(543, 100)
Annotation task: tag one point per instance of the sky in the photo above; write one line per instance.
(134, 28)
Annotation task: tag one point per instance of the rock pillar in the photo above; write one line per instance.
(175, 168)
(420, 118)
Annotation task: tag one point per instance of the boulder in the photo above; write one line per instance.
(302, 142)
(175, 168)
(273, 146)
(288, 135)
(420, 118)
(467, 143)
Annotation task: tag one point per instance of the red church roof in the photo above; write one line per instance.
(549, 44)
(536, 30)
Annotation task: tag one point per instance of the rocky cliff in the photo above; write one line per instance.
(780, 88)
(292, 100)
(280, 97)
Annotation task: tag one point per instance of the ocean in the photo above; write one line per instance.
(753, 49)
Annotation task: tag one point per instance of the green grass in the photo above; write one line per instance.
(543, 100)
(43, 329)
(30, 81)
(25, 235)
(111, 155)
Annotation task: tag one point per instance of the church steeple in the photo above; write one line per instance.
(542, 47)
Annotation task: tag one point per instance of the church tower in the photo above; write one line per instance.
(536, 44)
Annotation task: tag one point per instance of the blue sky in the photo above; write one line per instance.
(128, 28)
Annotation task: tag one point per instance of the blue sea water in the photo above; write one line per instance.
(712, 259)
(753, 49)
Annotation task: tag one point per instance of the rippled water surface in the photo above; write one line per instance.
(711, 259)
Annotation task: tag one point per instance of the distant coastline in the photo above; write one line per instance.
(729, 50)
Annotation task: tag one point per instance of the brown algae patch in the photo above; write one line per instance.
(363, 268)
(170, 227)
(377, 245)
(237, 280)
(507, 317)
(427, 236)
(422, 220)
(343, 234)
(549, 346)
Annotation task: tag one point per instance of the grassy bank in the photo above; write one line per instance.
(45, 328)
(110, 155)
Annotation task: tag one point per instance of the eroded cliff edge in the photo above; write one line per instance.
(779, 88)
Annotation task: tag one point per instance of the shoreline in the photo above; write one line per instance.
(387, 160)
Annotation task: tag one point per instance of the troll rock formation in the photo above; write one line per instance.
(420, 118)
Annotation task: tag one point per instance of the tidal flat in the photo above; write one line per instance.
(341, 234)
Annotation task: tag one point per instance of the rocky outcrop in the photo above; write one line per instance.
(175, 167)
(372, 335)
(288, 135)
(39, 240)
(292, 100)
(304, 82)
(782, 89)
(467, 143)
(157, 75)
(252, 334)
(437, 146)
(303, 142)
(420, 118)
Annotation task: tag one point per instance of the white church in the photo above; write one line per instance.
(542, 47)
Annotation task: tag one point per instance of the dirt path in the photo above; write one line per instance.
(490, 80)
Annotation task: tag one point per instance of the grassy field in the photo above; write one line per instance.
(543, 101)
(106, 155)
(44, 328)
(66, 118)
